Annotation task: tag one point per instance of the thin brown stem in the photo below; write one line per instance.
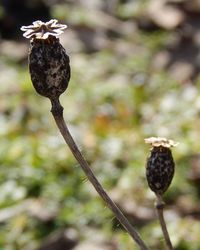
(57, 111)
(160, 207)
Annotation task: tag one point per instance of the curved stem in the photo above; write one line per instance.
(160, 207)
(57, 111)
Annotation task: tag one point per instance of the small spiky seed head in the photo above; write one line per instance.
(48, 62)
(160, 165)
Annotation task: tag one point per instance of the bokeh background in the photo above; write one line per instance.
(135, 74)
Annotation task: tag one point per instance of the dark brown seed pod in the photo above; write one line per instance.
(160, 165)
(48, 62)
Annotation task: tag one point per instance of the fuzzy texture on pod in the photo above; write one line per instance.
(160, 169)
(48, 62)
(160, 165)
(49, 67)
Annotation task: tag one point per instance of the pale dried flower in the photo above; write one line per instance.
(42, 30)
(161, 142)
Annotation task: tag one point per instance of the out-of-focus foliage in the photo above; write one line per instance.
(130, 80)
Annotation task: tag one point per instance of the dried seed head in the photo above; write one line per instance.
(160, 164)
(48, 62)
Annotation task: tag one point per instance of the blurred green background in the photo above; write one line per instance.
(135, 74)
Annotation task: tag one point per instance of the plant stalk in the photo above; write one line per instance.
(57, 111)
(159, 208)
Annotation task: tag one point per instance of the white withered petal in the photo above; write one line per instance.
(42, 30)
(159, 141)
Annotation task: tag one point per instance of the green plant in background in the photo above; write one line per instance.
(126, 95)
(50, 73)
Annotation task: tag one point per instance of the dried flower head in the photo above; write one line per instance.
(41, 30)
(160, 164)
(159, 141)
(48, 62)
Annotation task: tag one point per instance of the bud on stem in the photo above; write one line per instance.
(160, 165)
(48, 62)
